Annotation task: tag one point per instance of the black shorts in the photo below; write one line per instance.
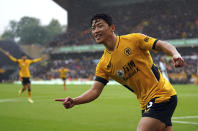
(63, 79)
(162, 111)
(25, 80)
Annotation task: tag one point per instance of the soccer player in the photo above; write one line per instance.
(63, 75)
(127, 60)
(24, 72)
(162, 67)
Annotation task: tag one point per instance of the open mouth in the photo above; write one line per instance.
(98, 36)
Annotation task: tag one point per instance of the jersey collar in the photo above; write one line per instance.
(116, 45)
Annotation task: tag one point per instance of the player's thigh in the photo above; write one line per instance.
(26, 81)
(150, 124)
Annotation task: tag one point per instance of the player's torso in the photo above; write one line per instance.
(133, 68)
(24, 68)
(63, 73)
(128, 64)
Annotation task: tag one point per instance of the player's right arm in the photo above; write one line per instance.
(94, 92)
(11, 57)
(86, 97)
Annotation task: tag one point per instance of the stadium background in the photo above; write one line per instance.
(76, 49)
(173, 20)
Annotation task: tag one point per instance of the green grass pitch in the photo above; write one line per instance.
(117, 109)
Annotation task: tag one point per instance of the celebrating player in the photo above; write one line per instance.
(63, 75)
(24, 72)
(127, 60)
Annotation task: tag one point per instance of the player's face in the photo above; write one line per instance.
(24, 57)
(100, 30)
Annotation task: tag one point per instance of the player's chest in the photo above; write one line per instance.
(23, 64)
(122, 63)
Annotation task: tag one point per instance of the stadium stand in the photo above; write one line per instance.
(160, 19)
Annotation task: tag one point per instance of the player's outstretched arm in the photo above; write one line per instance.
(3, 51)
(86, 97)
(169, 49)
(44, 57)
(9, 56)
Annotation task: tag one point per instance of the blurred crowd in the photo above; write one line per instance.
(164, 20)
(187, 74)
(161, 19)
(83, 67)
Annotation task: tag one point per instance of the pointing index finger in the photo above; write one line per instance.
(62, 100)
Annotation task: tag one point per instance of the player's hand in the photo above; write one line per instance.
(67, 102)
(7, 53)
(178, 61)
(45, 56)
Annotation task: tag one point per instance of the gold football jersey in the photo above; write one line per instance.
(63, 73)
(24, 65)
(131, 65)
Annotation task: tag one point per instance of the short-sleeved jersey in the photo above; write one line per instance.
(131, 65)
(63, 72)
(24, 66)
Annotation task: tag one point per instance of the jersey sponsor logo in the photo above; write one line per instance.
(127, 51)
(130, 70)
(120, 73)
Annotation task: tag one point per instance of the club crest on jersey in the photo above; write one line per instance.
(120, 73)
(146, 39)
(127, 51)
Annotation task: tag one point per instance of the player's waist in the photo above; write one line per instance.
(24, 74)
(163, 92)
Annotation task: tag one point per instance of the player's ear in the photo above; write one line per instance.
(112, 27)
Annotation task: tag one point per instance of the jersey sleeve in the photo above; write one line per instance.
(146, 42)
(36, 60)
(12, 58)
(100, 74)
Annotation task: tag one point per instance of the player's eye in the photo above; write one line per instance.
(100, 26)
(93, 28)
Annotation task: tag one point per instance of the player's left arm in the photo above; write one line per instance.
(170, 50)
(90, 95)
(39, 59)
(149, 43)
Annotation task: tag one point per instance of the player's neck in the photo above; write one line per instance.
(110, 43)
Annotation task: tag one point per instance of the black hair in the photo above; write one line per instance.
(23, 54)
(107, 18)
